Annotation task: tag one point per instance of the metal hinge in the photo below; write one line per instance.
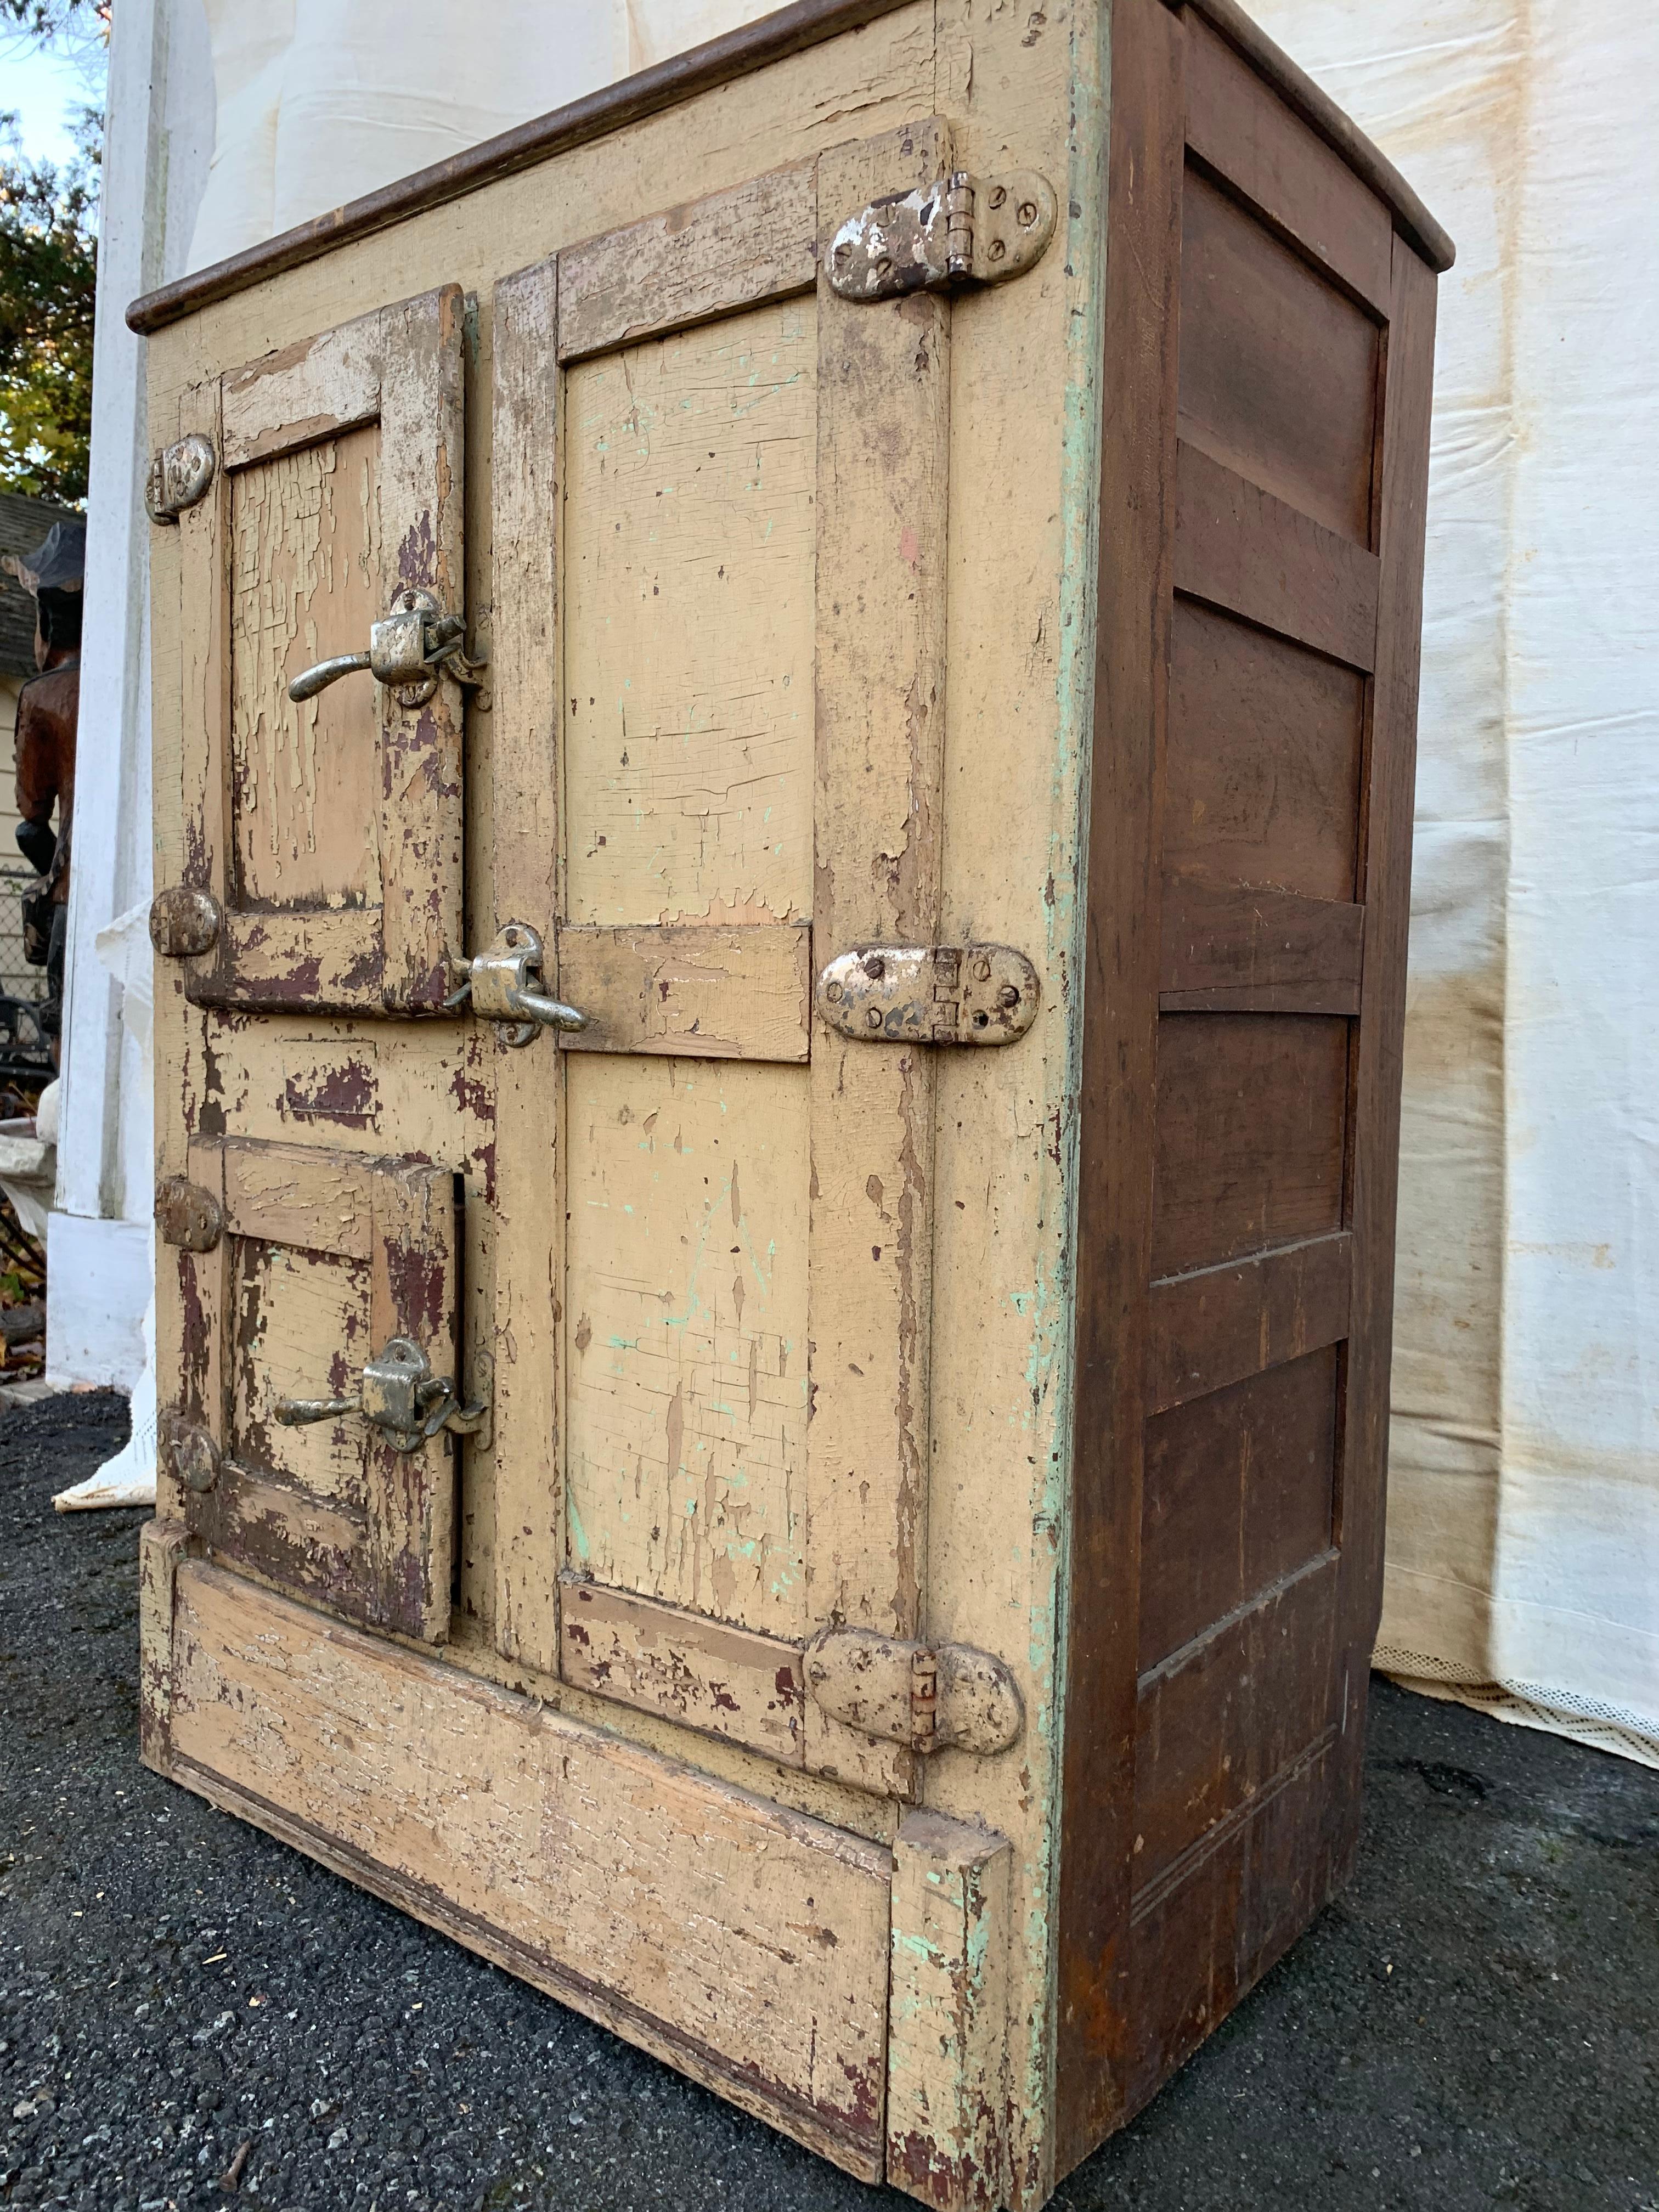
(930, 994)
(962, 230)
(929, 1698)
(179, 477)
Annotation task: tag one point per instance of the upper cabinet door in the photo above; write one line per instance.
(327, 831)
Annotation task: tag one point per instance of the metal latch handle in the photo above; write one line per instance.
(505, 985)
(408, 652)
(400, 1396)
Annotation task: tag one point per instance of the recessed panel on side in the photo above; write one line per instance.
(299, 1328)
(1238, 1490)
(1248, 1134)
(1278, 369)
(1265, 746)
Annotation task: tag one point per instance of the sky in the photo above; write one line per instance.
(42, 89)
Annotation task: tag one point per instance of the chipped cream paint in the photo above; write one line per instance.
(999, 1174)
(304, 584)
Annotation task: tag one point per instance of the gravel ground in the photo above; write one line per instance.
(182, 1999)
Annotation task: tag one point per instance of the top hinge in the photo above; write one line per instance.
(180, 475)
(928, 1696)
(962, 230)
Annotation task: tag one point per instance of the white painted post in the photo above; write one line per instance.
(158, 139)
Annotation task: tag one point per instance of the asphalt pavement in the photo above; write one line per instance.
(192, 2014)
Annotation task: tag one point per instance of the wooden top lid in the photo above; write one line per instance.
(739, 54)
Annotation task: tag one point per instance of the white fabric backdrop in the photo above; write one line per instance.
(1523, 1552)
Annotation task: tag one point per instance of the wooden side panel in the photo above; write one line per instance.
(947, 2087)
(702, 991)
(1251, 1129)
(1239, 1492)
(1095, 2023)
(747, 1945)
(1274, 807)
(162, 1545)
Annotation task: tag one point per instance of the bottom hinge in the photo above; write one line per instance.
(937, 1697)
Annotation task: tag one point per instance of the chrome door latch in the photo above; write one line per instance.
(505, 985)
(963, 229)
(400, 1396)
(408, 652)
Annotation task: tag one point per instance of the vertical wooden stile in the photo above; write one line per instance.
(525, 491)
(883, 485)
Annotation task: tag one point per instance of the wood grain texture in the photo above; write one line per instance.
(1278, 368)
(686, 1275)
(161, 1546)
(1095, 2023)
(1252, 1115)
(1266, 741)
(1263, 952)
(1240, 1487)
(1220, 1324)
(757, 242)
(305, 561)
(882, 477)
(1250, 554)
(1237, 128)
(688, 1915)
(725, 1682)
(704, 993)
(948, 2125)
(1221, 1718)
(689, 533)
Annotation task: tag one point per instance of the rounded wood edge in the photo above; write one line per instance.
(1320, 113)
(719, 61)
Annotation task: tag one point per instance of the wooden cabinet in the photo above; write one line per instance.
(778, 1110)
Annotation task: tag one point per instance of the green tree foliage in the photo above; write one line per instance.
(48, 279)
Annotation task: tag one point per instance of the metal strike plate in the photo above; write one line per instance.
(964, 229)
(188, 1216)
(928, 1696)
(930, 994)
(183, 922)
(179, 475)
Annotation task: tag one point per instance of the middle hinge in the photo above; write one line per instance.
(929, 1698)
(963, 229)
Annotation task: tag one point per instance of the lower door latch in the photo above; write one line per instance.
(400, 1396)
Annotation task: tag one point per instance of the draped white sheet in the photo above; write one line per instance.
(1524, 1549)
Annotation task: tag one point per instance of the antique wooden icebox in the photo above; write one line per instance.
(784, 714)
